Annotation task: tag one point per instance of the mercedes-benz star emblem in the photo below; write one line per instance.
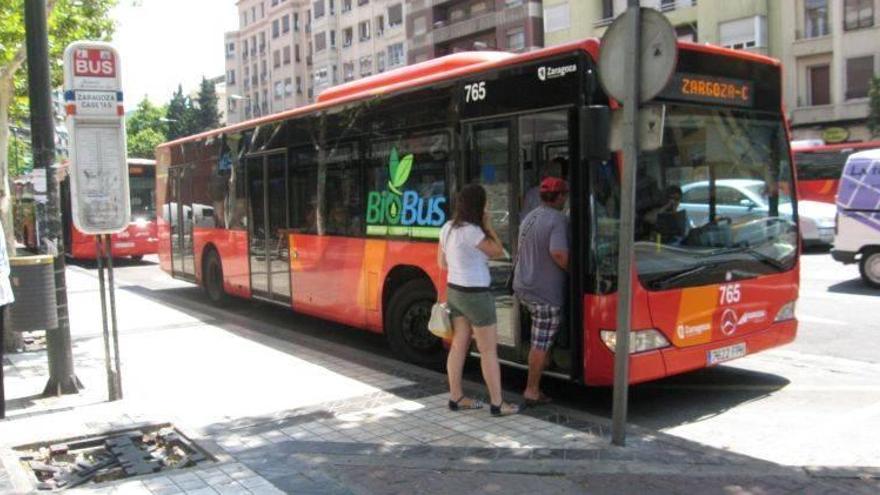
(729, 321)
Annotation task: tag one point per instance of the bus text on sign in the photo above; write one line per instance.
(708, 89)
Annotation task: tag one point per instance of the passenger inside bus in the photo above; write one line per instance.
(556, 167)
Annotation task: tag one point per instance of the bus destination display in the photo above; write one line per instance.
(710, 89)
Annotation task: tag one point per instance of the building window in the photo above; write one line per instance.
(332, 38)
(347, 35)
(320, 42)
(348, 71)
(279, 90)
(285, 55)
(230, 77)
(858, 14)
(859, 71)
(262, 42)
(516, 39)
(366, 66)
(318, 9)
(332, 7)
(395, 54)
(364, 30)
(299, 85)
(288, 87)
(275, 31)
(816, 18)
(513, 3)
(296, 53)
(285, 24)
(380, 62)
(346, 6)
(296, 21)
(687, 32)
(230, 49)
(395, 15)
(607, 9)
(276, 58)
(379, 25)
(820, 85)
(744, 33)
(322, 76)
(363, 2)
(556, 18)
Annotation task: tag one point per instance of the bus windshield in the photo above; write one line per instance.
(820, 165)
(714, 201)
(142, 192)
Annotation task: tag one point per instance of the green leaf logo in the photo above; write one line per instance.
(399, 171)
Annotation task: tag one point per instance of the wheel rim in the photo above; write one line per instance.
(415, 327)
(872, 267)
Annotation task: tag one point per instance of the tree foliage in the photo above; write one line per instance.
(207, 116)
(145, 129)
(874, 107)
(181, 115)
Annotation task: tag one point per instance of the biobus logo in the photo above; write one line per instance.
(399, 211)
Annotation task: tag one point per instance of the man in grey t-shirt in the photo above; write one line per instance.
(539, 277)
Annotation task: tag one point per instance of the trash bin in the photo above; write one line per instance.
(33, 283)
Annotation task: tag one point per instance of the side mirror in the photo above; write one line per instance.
(747, 203)
(595, 124)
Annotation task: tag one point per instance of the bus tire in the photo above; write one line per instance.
(212, 278)
(869, 268)
(406, 324)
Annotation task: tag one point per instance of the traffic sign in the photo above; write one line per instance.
(658, 54)
(96, 124)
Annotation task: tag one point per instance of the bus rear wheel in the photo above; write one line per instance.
(212, 278)
(406, 324)
(869, 268)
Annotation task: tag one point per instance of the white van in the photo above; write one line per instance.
(858, 215)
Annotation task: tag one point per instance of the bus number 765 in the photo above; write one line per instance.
(730, 294)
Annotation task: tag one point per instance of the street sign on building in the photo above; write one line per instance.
(96, 123)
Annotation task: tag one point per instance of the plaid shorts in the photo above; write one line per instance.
(546, 320)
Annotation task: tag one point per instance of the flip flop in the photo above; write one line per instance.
(456, 405)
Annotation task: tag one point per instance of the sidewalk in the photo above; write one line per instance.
(285, 412)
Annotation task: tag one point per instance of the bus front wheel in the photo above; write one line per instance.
(869, 267)
(406, 326)
(212, 278)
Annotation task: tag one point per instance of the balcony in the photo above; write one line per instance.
(450, 30)
(670, 5)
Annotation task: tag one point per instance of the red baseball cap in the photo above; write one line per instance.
(553, 185)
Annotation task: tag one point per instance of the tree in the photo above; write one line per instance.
(874, 107)
(206, 115)
(145, 129)
(181, 115)
(68, 21)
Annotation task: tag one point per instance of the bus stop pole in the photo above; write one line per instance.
(117, 368)
(108, 363)
(627, 224)
(62, 379)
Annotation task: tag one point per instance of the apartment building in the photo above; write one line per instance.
(743, 24)
(441, 27)
(267, 64)
(831, 50)
(351, 39)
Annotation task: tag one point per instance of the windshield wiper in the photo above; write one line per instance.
(667, 281)
(754, 253)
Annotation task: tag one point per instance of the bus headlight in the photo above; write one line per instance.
(141, 222)
(786, 312)
(639, 340)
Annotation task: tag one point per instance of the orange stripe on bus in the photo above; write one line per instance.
(696, 312)
(371, 269)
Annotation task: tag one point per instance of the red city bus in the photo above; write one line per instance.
(334, 209)
(139, 238)
(819, 168)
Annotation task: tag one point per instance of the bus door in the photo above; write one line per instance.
(508, 157)
(267, 227)
(181, 220)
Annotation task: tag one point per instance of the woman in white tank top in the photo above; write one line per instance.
(467, 242)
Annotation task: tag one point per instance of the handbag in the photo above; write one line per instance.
(440, 324)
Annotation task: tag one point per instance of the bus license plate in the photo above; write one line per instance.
(716, 356)
(122, 245)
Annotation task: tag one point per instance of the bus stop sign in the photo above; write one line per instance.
(95, 120)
